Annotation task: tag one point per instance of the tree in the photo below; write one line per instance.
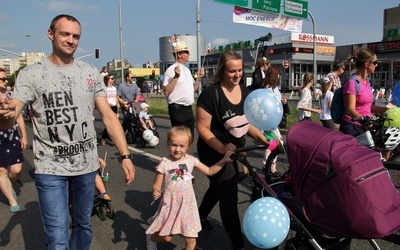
(13, 76)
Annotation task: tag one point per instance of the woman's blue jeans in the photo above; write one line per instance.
(55, 194)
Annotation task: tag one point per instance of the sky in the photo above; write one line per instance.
(145, 21)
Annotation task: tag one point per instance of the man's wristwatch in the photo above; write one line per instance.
(123, 157)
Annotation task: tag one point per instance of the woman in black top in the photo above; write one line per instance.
(222, 126)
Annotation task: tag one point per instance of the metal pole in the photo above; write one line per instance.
(198, 39)
(314, 50)
(40, 40)
(120, 41)
(85, 56)
(10, 52)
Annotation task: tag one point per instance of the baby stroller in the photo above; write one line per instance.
(133, 128)
(320, 223)
(301, 235)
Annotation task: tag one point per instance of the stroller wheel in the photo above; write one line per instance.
(142, 142)
(129, 138)
(110, 211)
(296, 244)
(101, 212)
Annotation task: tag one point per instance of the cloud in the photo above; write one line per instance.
(7, 45)
(81, 51)
(219, 41)
(64, 6)
(4, 17)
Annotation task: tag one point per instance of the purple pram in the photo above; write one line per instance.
(343, 186)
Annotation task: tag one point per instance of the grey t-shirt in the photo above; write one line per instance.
(127, 92)
(62, 100)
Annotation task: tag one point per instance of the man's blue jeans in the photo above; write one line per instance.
(55, 194)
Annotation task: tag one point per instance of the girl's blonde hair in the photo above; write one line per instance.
(325, 86)
(307, 78)
(180, 130)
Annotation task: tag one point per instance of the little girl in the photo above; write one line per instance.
(178, 211)
(325, 104)
(304, 106)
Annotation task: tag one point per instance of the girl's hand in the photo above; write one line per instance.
(102, 163)
(156, 195)
(227, 156)
(24, 142)
(318, 111)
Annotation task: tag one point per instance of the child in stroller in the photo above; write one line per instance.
(138, 124)
(144, 117)
(101, 204)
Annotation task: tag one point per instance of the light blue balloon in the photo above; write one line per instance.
(266, 222)
(263, 109)
(396, 95)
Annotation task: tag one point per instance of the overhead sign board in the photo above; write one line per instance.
(240, 3)
(309, 38)
(271, 6)
(269, 20)
(295, 8)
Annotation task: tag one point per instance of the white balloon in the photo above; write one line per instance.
(154, 141)
(147, 134)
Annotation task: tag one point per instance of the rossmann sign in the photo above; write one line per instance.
(308, 38)
(385, 47)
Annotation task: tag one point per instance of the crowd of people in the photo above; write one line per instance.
(220, 122)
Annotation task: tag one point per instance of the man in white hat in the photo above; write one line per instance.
(179, 87)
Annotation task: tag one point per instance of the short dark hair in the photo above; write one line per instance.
(127, 74)
(337, 65)
(68, 17)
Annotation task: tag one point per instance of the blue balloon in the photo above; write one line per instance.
(266, 222)
(396, 95)
(263, 109)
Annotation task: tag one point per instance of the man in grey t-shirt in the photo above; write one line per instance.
(63, 92)
(128, 94)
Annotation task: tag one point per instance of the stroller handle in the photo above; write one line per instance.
(251, 147)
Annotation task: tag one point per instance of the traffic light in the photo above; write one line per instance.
(96, 53)
(153, 73)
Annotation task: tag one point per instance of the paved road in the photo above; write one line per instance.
(132, 205)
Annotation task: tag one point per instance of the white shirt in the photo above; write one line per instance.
(112, 95)
(326, 111)
(183, 92)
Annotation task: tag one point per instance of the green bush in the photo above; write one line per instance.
(158, 106)
(292, 118)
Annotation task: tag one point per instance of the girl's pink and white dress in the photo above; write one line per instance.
(178, 211)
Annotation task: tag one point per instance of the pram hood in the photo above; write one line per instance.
(340, 183)
(313, 150)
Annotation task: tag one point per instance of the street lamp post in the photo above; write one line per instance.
(120, 41)
(314, 49)
(40, 40)
(198, 39)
